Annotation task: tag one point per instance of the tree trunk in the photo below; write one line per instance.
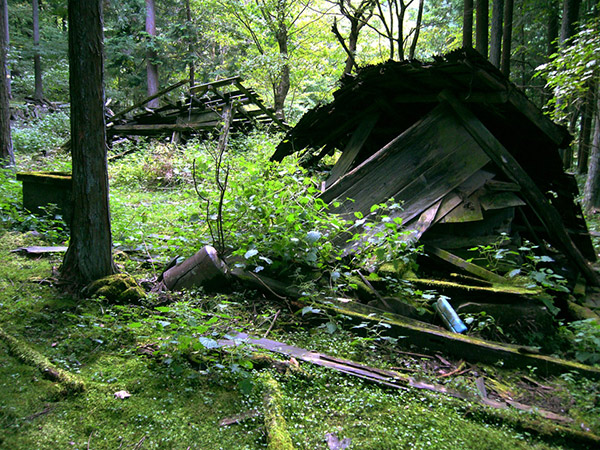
(468, 24)
(352, 45)
(7, 157)
(481, 27)
(151, 67)
(496, 38)
(4, 26)
(591, 196)
(188, 13)
(586, 130)
(400, 13)
(89, 254)
(37, 57)
(413, 45)
(507, 37)
(281, 86)
(569, 18)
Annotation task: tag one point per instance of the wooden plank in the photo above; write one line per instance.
(201, 88)
(473, 269)
(146, 100)
(530, 192)
(430, 336)
(468, 211)
(554, 132)
(455, 198)
(499, 200)
(424, 163)
(160, 128)
(469, 97)
(420, 226)
(358, 139)
(258, 102)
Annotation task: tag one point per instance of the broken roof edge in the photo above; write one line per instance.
(498, 89)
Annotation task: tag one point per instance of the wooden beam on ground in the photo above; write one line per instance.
(429, 336)
(465, 265)
(530, 192)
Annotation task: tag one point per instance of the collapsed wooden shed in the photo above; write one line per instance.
(459, 146)
(199, 111)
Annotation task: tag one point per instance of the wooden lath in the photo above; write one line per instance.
(199, 112)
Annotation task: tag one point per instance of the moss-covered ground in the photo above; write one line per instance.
(177, 404)
(161, 354)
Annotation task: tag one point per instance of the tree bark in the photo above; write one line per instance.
(188, 13)
(151, 67)
(413, 44)
(89, 254)
(468, 24)
(496, 38)
(7, 157)
(507, 37)
(37, 57)
(6, 33)
(569, 18)
(585, 131)
(591, 196)
(481, 27)
(281, 86)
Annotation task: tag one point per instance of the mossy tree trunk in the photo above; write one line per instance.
(7, 157)
(89, 255)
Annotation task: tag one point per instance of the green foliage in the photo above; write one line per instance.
(585, 336)
(43, 134)
(573, 71)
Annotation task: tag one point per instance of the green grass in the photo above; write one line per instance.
(177, 401)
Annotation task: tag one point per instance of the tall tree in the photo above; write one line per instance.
(7, 157)
(4, 26)
(468, 23)
(151, 66)
(591, 196)
(496, 37)
(89, 255)
(481, 26)
(413, 44)
(569, 19)
(507, 37)
(358, 16)
(188, 16)
(37, 57)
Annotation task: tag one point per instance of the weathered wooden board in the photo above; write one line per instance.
(418, 168)
(468, 211)
(499, 200)
(460, 263)
(353, 148)
(530, 192)
(456, 197)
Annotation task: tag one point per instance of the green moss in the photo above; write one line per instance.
(278, 436)
(118, 288)
(29, 356)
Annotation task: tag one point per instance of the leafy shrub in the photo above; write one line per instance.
(585, 336)
(42, 134)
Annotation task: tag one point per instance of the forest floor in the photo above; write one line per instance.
(156, 378)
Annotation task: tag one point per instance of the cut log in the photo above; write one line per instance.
(204, 269)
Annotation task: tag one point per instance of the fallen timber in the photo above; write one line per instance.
(397, 380)
(425, 335)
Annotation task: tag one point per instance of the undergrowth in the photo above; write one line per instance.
(165, 352)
